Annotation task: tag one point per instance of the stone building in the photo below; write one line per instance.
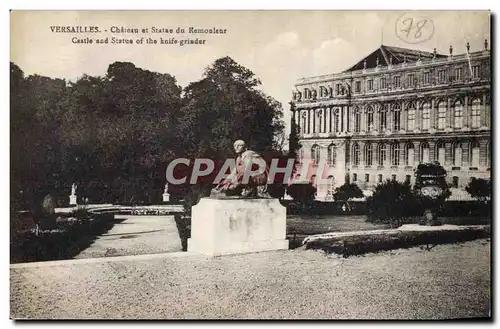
(394, 109)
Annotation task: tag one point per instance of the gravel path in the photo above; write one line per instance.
(448, 281)
(136, 235)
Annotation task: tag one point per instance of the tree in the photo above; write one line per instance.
(480, 189)
(391, 202)
(347, 192)
(304, 193)
(224, 106)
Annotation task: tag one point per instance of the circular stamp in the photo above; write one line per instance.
(413, 28)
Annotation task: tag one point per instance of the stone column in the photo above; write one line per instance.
(418, 115)
(309, 121)
(466, 111)
(483, 154)
(450, 116)
(314, 120)
(448, 153)
(348, 118)
(342, 118)
(433, 115)
(483, 112)
(363, 118)
(432, 147)
(327, 120)
(404, 117)
(416, 153)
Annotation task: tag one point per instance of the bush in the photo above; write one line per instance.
(347, 192)
(479, 189)
(392, 202)
(302, 192)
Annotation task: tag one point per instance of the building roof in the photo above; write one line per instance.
(399, 55)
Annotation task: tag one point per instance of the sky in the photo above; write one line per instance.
(278, 46)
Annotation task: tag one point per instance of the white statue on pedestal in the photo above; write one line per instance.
(72, 197)
(166, 196)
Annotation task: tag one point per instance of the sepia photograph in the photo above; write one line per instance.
(250, 165)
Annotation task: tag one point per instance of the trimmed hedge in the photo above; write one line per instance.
(368, 243)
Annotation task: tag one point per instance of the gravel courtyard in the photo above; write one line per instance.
(449, 281)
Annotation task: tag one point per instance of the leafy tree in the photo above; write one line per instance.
(347, 192)
(479, 189)
(391, 202)
(302, 192)
(224, 106)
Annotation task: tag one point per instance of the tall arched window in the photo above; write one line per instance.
(410, 154)
(441, 152)
(332, 154)
(369, 119)
(381, 154)
(336, 118)
(382, 124)
(396, 118)
(457, 154)
(411, 117)
(357, 120)
(424, 152)
(315, 153)
(474, 154)
(426, 116)
(476, 113)
(355, 154)
(303, 123)
(395, 154)
(441, 115)
(319, 121)
(458, 115)
(369, 154)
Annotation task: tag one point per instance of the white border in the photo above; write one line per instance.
(186, 5)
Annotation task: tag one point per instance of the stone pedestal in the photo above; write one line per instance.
(166, 197)
(72, 200)
(233, 226)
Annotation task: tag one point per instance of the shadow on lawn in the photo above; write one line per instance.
(66, 240)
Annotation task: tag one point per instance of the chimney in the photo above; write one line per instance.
(434, 53)
(364, 64)
(451, 50)
(468, 46)
(485, 44)
(378, 61)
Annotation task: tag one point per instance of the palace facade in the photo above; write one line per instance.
(394, 109)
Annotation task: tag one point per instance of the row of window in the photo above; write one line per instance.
(442, 76)
(462, 154)
(380, 177)
(459, 119)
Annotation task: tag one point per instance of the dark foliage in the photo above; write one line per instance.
(302, 192)
(115, 135)
(391, 202)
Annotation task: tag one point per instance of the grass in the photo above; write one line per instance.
(67, 239)
(369, 243)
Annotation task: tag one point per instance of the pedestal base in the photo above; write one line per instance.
(233, 226)
(72, 200)
(166, 197)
